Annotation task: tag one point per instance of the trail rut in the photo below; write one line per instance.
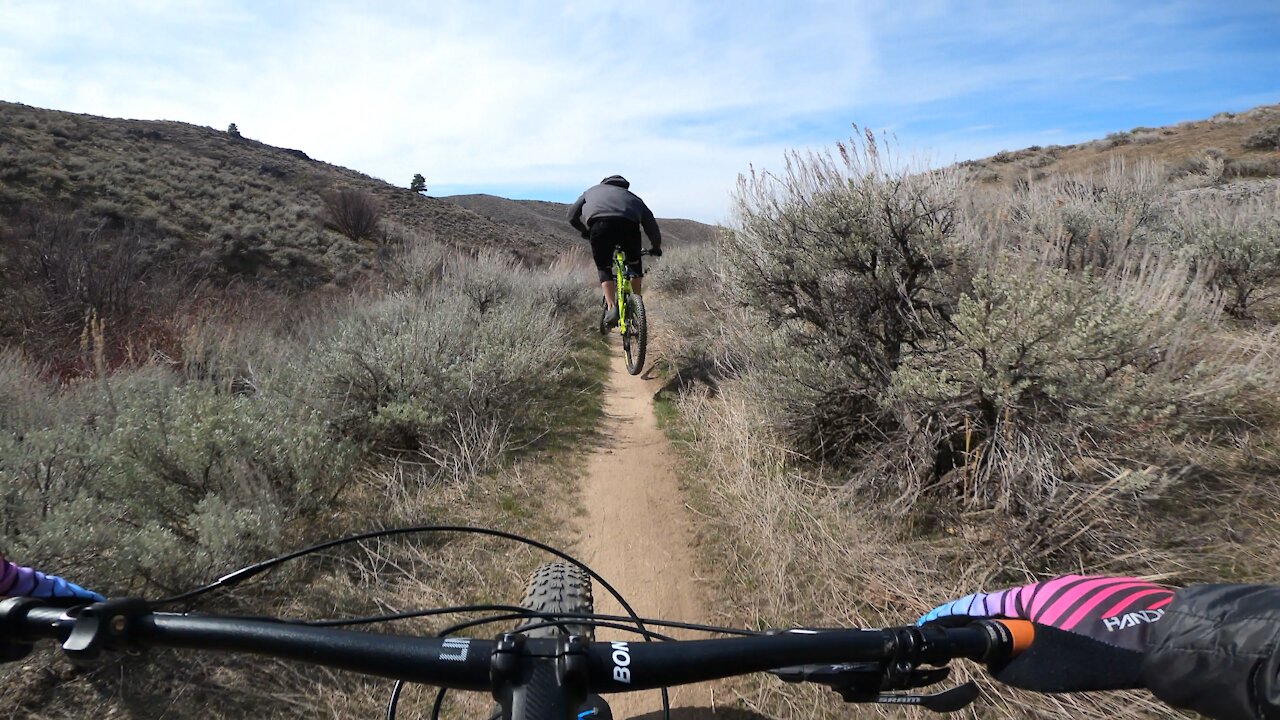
(637, 532)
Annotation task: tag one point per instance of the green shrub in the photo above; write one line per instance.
(1253, 168)
(486, 280)
(24, 400)
(1041, 366)
(1265, 139)
(418, 264)
(1236, 245)
(697, 335)
(564, 288)
(437, 374)
(846, 264)
(695, 269)
(246, 449)
(1085, 221)
(1024, 372)
(1117, 139)
(169, 483)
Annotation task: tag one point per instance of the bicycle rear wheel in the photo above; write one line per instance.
(633, 342)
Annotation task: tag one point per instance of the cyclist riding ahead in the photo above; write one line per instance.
(610, 216)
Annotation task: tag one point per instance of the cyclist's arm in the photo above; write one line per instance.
(650, 225)
(1217, 651)
(575, 214)
(21, 581)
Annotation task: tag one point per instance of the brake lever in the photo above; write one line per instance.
(866, 683)
(956, 698)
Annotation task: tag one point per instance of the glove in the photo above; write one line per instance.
(17, 580)
(655, 251)
(1090, 631)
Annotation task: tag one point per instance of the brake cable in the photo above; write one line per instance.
(239, 576)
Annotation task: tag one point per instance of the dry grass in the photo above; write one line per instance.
(1134, 425)
(183, 216)
(791, 549)
(1232, 133)
(530, 498)
(237, 395)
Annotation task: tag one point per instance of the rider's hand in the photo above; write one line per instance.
(1090, 631)
(20, 581)
(655, 251)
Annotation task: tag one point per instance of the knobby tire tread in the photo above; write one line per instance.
(559, 587)
(638, 328)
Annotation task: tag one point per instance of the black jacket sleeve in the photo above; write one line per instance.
(575, 214)
(650, 225)
(1217, 651)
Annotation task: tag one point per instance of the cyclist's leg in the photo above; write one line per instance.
(602, 254)
(631, 246)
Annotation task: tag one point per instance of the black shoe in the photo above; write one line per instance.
(611, 317)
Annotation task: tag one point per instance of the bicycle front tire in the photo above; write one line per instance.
(559, 587)
(637, 334)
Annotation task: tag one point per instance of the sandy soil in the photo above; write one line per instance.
(637, 533)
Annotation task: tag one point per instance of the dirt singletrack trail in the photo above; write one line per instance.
(637, 532)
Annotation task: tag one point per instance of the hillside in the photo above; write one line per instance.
(140, 223)
(241, 206)
(548, 219)
(1247, 144)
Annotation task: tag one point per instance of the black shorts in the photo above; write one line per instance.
(608, 233)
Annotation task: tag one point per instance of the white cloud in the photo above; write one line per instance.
(464, 93)
(680, 96)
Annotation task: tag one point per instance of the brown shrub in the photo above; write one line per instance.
(1253, 167)
(354, 213)
(62, 266)
(1264, 139)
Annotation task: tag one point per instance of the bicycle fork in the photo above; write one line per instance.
(624, 289)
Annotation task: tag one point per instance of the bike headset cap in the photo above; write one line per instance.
(616, 180)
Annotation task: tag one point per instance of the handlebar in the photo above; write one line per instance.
(643, 251)
(473, 664)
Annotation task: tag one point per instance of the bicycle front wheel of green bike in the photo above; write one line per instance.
(633, 342)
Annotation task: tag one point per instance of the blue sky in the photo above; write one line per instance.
(540, 99)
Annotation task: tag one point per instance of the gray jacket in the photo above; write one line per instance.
(612, 199)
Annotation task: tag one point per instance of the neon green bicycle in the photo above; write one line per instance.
(632, 325)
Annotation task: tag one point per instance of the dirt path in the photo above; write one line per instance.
(638, 533)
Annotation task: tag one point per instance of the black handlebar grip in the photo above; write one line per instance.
(1006, 639)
